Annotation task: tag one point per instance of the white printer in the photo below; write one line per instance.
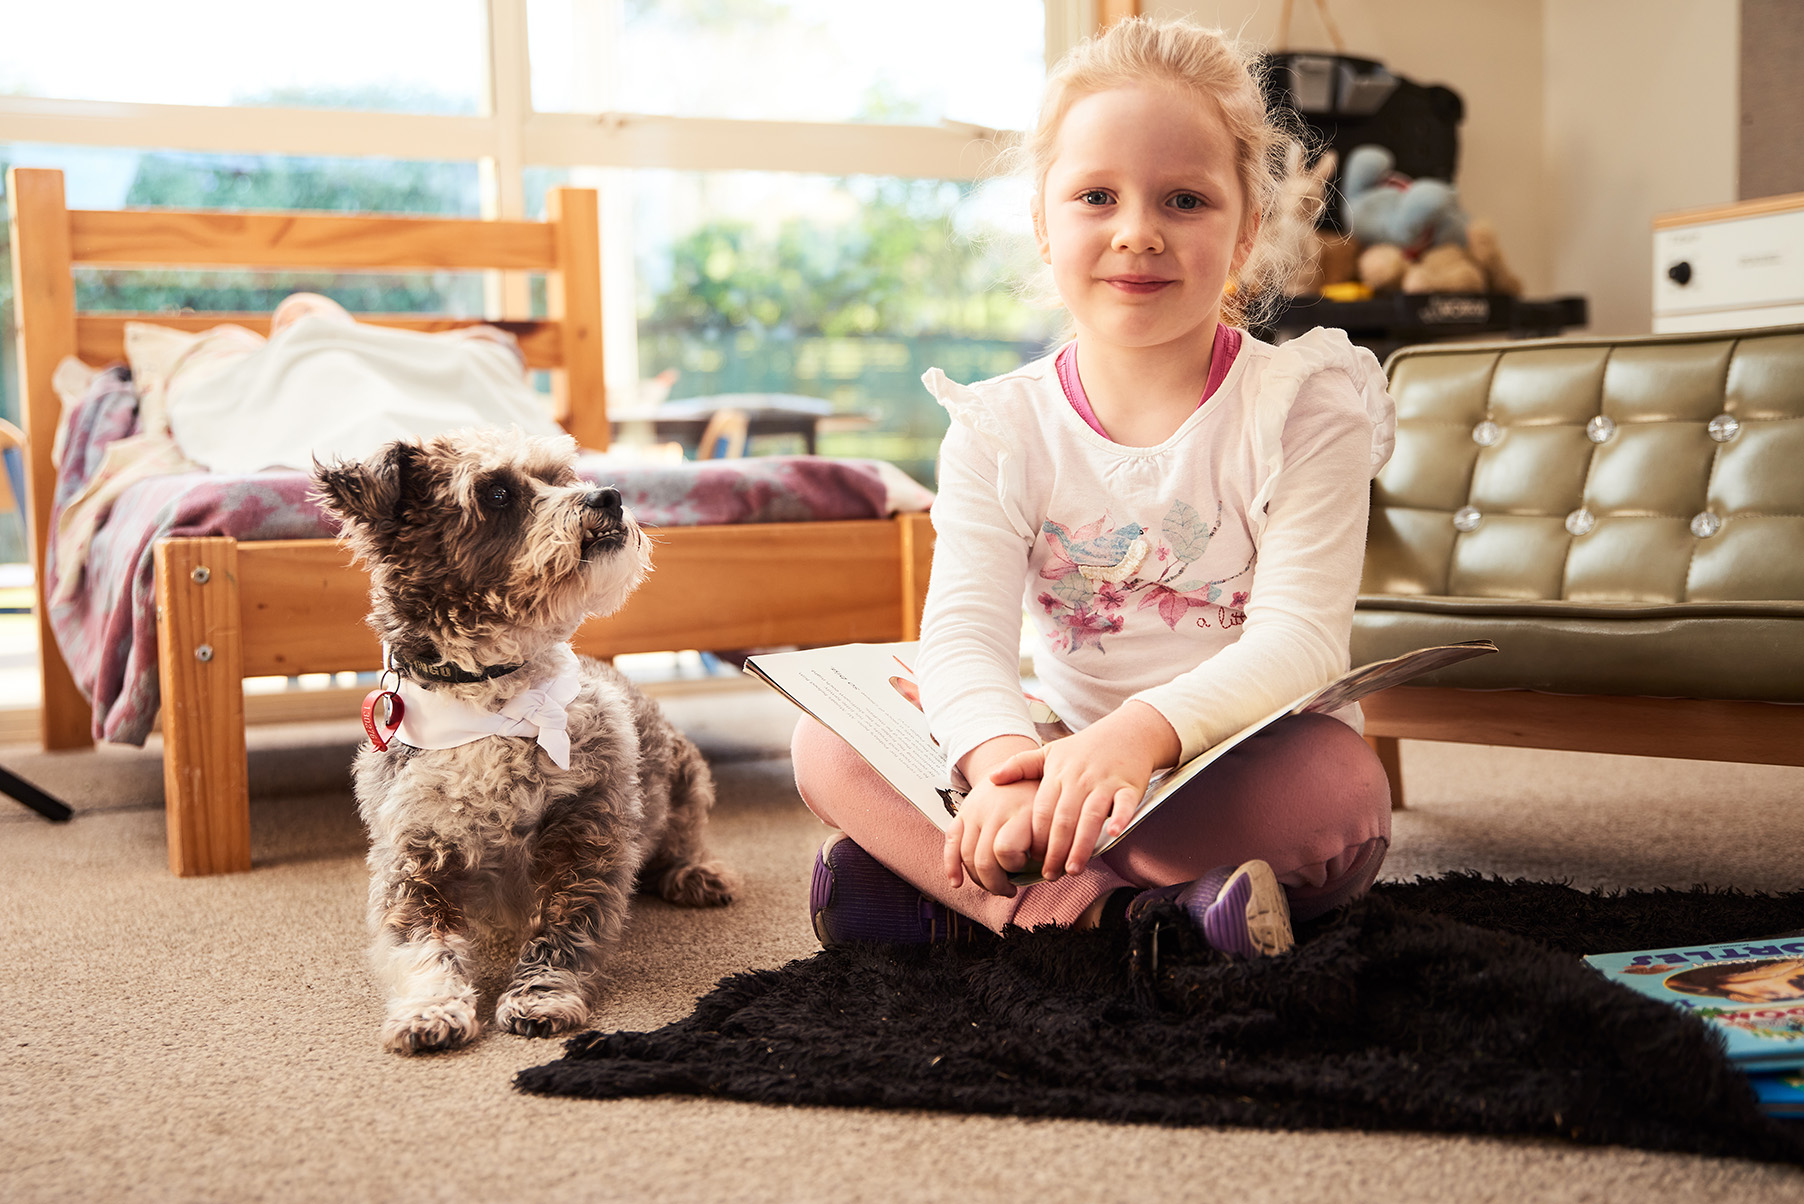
(1730, 267)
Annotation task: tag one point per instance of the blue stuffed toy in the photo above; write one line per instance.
(1383, 207)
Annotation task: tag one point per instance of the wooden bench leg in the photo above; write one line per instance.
(46, 326)
(1388, 756)
(67, 720)
(200, 659)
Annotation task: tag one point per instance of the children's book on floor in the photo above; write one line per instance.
(1750, 992)
(867, 696)
(1780, 1094)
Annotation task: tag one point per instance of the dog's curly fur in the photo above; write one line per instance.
(485, 549)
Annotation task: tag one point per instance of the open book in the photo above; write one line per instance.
(866, 695)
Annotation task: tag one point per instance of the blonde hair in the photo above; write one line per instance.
(1211, 66)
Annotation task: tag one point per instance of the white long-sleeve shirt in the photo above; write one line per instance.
(1212, 576)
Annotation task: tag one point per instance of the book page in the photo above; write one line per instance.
(866, 695)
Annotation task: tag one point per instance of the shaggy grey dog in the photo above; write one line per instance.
(486, 551)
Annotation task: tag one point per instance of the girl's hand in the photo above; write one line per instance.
(1089, 784)
(990, 837)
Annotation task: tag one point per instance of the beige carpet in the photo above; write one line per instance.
(215, 1039)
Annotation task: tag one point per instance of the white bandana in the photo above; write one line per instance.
(430, 719)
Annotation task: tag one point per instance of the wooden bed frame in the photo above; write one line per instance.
(227, 610)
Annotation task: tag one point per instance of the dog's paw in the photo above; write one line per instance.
(430, 1025)
(698, 884)
(541, 1009)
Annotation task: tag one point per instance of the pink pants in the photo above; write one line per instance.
(1307, 795)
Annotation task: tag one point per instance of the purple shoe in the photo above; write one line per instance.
(855, 897)
(1240, 910)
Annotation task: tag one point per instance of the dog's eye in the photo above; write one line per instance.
(497, 497)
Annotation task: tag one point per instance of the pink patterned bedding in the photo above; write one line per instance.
(107, 629)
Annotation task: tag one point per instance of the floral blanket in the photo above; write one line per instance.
(107, 627)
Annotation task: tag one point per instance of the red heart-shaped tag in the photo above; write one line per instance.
(391, 716)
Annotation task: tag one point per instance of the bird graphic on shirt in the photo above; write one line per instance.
(1110, 556)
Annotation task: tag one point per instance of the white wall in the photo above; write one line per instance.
(1642, 112)
(1584, 118)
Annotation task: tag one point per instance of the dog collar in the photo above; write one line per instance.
(448, 672)
(430, 719)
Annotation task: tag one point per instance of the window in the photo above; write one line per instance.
(840, 288)
(328, 54)
(826, 280)
(792, 60)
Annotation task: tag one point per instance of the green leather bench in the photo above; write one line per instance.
(1624, 517)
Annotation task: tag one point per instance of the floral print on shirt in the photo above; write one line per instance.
(1102, 575)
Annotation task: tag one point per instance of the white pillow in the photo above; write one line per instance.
(325, 389)
(161, 355)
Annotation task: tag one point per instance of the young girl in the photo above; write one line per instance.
(1183, 509)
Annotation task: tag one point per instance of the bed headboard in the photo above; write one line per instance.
(49, 240)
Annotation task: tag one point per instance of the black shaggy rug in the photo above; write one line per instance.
(1455, 1004)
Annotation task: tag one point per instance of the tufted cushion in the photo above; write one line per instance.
(1639, 554)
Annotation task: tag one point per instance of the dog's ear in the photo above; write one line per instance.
(366, 494)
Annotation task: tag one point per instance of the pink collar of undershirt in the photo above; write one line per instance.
(1221, 358)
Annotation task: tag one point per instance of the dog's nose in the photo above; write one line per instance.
(606, 500)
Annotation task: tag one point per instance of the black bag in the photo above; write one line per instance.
(1341, 102)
